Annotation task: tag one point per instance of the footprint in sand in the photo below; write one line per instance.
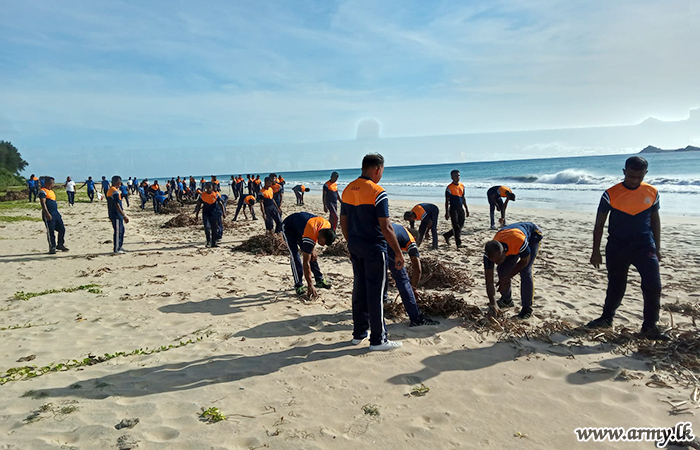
(357, 428)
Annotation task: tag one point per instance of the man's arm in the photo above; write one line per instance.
(323, 198)
(196, 208)
(596, 257)
(522, 262)
(44, 209)
(390, 237)
(447, 208)
(120, 211)
(417, 271)
(306, 263)
(656, 229)
(503, 210)
(490, 288)
(344, 226)
(223, 207)
(425, 224)
(464, 202)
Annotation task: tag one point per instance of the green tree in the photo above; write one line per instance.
(10, 159)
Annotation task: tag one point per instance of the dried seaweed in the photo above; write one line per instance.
(15, 195)
(181, 220)
(682, 351)
(337, 248)
(264, 244)
(437, 304)
(438, 275)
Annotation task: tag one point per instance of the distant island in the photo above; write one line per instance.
(652, 149)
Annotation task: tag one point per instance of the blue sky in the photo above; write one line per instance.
(86, 77)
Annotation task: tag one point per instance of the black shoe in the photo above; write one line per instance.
(52, 251)
(323, 284)
(214, 244)
(505, 304)
(524, 314)
(654, 334)
(62, 248)
(423, 321)
(447, 239)
(600, 322)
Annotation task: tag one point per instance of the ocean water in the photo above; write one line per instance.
(573, 184)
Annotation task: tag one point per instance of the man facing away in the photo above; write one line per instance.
(52, 218)
(634, 238)
(213, 210)
(33, 186)
(455, 206)
(513, 250)
(495, 196)
(116, 213)
(271, 212)
(301, 232)
(428, 215)
(364, 220)
(330, 199)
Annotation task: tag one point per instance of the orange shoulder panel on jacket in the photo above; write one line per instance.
(632, 201)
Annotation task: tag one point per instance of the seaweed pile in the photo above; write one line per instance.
(15, 195)
(181, 220)
(337, 248)
(264, 244)
(437, 304)
(438, 275)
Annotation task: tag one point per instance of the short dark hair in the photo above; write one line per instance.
(307, 190)
(272, 176)
(636, 163)
(511, 195)
(408, 215)
(47, 179)
(334, 174)
(454, 172)
(208, 184)
(251, 201)
(372, 161)
(493, 248)
(329, 235)
(116, 178)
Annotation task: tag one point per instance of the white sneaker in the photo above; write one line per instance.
(358, 341)
(388, 345)
(120, 252)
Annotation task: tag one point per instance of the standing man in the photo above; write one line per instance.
(116, 213)
(513, 250)
(364, 220)
(330, 199)
(634, 238)
(215, 183)
(33, 186)
(124, 190)
(212, 212)
(405, 285)
(299, 191)
(301, 231)
(428, 215)
(70, 191)
(271, 212)
(52, 218)
(90, 188)
(105, 186)
(455, 207)
(495, 196)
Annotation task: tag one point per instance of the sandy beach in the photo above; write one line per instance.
(282, 370)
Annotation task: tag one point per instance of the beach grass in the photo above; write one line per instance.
(12, 219)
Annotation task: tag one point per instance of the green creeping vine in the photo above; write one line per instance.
(26, 372)
(91, 288)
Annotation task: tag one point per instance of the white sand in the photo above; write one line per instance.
(282, 370)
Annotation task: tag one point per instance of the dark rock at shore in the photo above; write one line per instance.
(652, 149)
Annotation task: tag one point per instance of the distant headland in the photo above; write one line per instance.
(652, 149)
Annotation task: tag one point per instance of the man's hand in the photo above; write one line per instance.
(314, 256)
(597, 259)
(447, 216)
(658, 254)
(466, 214)
(312, 293)
(399, 261)
(494, 311)
(48, 216)
(325, 209)
(126, 219)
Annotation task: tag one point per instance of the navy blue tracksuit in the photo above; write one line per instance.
(403, 282)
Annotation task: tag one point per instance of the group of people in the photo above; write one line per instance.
(377, 245)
